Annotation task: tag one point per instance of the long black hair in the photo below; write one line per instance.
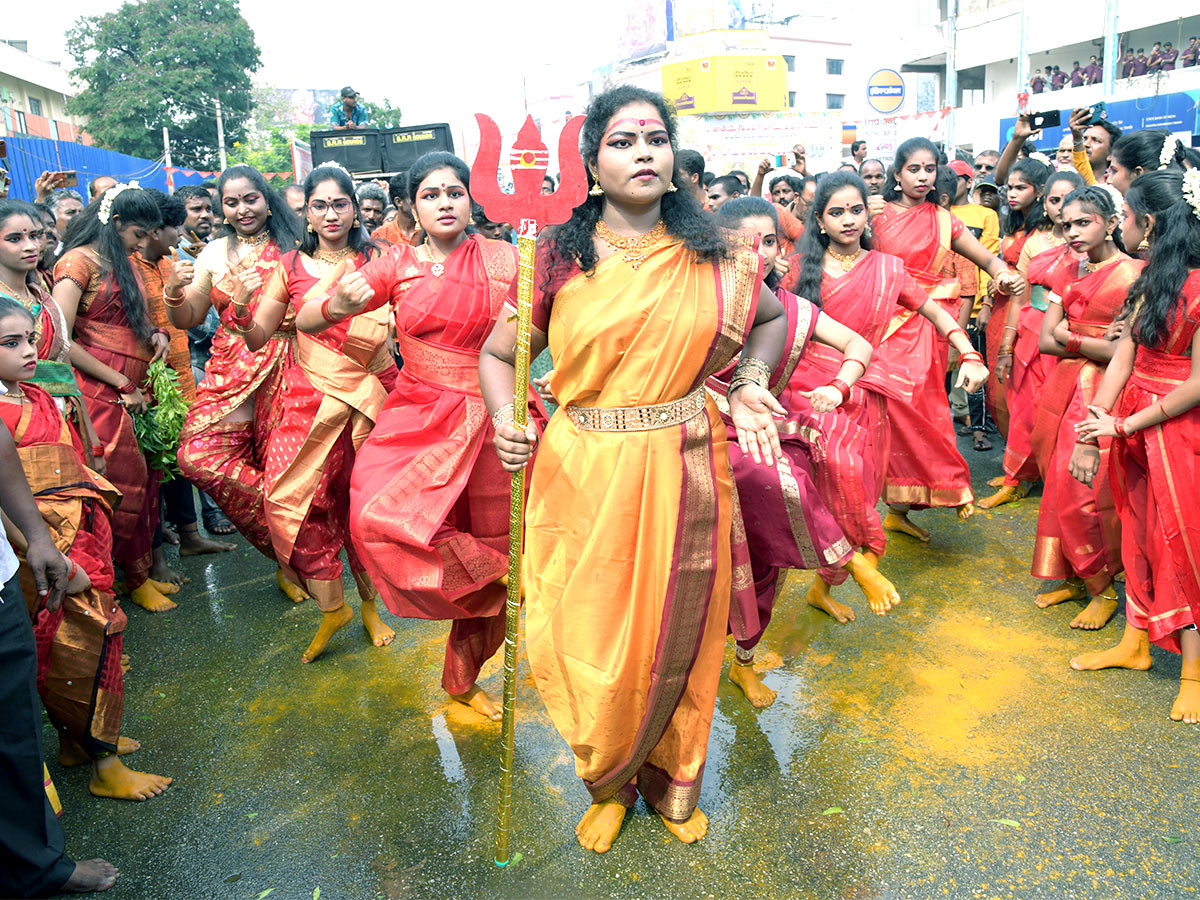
(282, 224)
(358, 240)
(571, 244)
(1174, 252)
(891, 187)
(734, 212)
(1143, 149)
(131, 206)
(813, 243)
(1034, 173)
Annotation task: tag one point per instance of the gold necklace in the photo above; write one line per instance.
(328, 260)
(27, 299)
(437, 268)
(847, 260)
(1096, 266)
(635, 248)
(18, 395)
(254, 240)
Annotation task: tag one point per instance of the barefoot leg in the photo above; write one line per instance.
(331, 621)
(881, 593)
(1133, 652)
(897, 520)
(381, 635)
(91, 876)
(1097, 613)
(743, 674)
(163, 573)
(694, 829)
(150, 598)
(290, 589)
(1187, 705)
(1071, 589)
(71, 754)
(165, 588)
(193, 543)
(818, 597)
(966, 510)
(482, 702)
(600, 825)
(1008, 493)
(112, 778)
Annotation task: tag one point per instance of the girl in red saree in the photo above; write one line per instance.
(331, 398)
(223, 447)
(103, 303)
(924, 466)
(1020, 366)
(1152, 387)
(871, 293)
(1078, 533)
(79, 644)
(627, 594)
(787, 526)
(429, 505)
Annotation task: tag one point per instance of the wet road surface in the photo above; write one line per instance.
(945, 750)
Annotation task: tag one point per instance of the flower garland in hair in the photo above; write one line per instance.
(330, 164)
(1042, 158)
(1118, 198)
(110, 195)
(1191, 190)
(1166, 156)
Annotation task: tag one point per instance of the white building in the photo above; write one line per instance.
(33, 95)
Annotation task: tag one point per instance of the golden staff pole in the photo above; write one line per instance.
(526, 248)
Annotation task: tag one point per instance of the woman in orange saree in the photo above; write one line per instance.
(104, 304)
(925, 468)
(331, 399)
(628, 559)
(79, 644)
(223, 447)
(429, 504)
(1078, 533)
(1152, 387)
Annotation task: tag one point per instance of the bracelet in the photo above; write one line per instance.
(502, 416)
(857, 362)
(1011, 328)
(1003, 352)
(244, 327)
(74, 569)
(1074, 343)
(325, 314)
(1105, 409)
(973, 356)
(163, 332)
(987, 304)
(127, 388)
(957, 330)
(1119, 428)
(174, 301)
(841, 387)
(1088, 442)
(749, 371)
(1162, 409)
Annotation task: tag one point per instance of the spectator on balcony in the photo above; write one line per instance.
(1058, 80)
(1127, 62)
(66, 204)
(1169, 55)
(1078, 76)
(1155, 62)
(346, 113)
(1140, 63)
(1037, 83)
(1191, 53)
(99, 185)
(1092, 72)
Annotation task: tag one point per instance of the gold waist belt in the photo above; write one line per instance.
(638, 418)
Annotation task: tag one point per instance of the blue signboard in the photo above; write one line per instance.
(1173, 112)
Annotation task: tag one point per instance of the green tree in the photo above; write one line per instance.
(164, 62)
(383, 114)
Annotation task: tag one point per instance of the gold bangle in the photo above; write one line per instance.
(749, 371)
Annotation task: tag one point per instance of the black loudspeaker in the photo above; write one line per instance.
(358, 151)
(404, 146)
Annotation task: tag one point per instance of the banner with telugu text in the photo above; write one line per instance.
(743, 141)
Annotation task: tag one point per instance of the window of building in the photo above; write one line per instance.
(790, 62)
(835, 101)
(35, 106)
(833, 67)
(791, 99)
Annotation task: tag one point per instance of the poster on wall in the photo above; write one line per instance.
(725, 84)
(884, 135)
(743, 141)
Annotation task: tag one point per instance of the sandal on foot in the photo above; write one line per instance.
(981, 442)
(215, 522)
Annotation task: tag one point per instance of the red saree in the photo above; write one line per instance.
(995, 394)
(924, 466)
(850, 450)
(79, 646)
(225, 459)
(331, 398)
(1155, 476)
(429, 503)
(785, 523)
(1078, 533)
(103, 330)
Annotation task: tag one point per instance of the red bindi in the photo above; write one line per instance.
(642, 122)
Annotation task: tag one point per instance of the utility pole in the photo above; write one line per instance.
(220, 136)
(1112, 47)
(951, 71)
(1022, 53)
(167, 160)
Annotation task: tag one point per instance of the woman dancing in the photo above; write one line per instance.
(630, 508)
(331, 398)
(429, 505)
(924, 466)
(223, 447)
(1152, 387)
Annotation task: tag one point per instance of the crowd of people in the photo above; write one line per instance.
(1133, 63)
(775, 354)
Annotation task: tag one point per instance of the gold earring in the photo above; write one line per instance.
(1144, 245)
(356, 225)
(671, 187)
(311, 230)
(596, 190)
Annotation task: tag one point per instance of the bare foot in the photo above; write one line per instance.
(759, 695)
(900, 522)
(881, 593)
(150, 598)
(71, 754)
(694, 829)
(1187, 705)
(290, 589)
(161, 573)
(169, 534)
(90, 876)
(380, 634)
(1097, 613)
(600, 826)
(1133, 652)
(1070, 590)
(193, 543)
(164, 587)
(331, 621)
(1009, 493)
(998, 481)
(966, 510)
(112, 778)
(818, 597)
(126, 664)
(482, 702)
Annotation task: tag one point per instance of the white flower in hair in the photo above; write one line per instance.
(1191, 190)
(330, 164)
(1118, 198)
(1042, 158)
(1167, 155)
(110, 195)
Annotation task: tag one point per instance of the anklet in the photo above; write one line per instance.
(743, 657)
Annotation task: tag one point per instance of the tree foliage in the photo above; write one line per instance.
(383, 114)
(164, 62)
